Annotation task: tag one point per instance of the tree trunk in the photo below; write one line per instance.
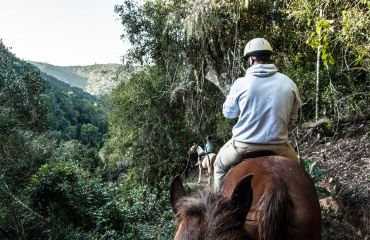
(317, 102)
(219, 79)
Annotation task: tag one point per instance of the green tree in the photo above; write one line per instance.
(22, 117)
(90, 135)
(20, 102)
(147, 131)
(204, 38)
(336, 30)
(28, 149)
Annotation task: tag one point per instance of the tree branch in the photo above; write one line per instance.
(5, 188)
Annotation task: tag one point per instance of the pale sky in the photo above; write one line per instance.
(62, 32)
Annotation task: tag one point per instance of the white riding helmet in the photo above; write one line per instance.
(257, 47)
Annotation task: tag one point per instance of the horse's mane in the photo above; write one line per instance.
(218, 216)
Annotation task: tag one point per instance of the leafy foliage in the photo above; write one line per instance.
(35, 119)
(145, 125)
(80, 204)
(316, 174)
(74, 166)
(344, 44)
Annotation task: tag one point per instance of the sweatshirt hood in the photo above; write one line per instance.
(262, 70)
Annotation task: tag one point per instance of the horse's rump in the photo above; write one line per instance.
(266, 198)
(285, 204)
(208, 160)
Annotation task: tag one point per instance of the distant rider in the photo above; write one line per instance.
(208, 149)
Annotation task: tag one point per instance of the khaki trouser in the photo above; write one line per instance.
(230, 154)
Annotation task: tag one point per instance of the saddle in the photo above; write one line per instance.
(256, 153)
(253, 154)
(202, 157)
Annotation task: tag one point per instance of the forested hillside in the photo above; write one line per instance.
(98, 79)
(77, 166)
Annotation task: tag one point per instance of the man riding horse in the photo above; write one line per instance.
(266, 102)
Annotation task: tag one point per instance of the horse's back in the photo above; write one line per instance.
(272, 174)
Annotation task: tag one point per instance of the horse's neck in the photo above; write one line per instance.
(199, 149)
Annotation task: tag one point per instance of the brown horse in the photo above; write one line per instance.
(207, 161)
(265, 198)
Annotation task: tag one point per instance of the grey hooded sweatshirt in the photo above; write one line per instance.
(266, 102)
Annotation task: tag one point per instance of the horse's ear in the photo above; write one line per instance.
(177, 192)
(242, 195)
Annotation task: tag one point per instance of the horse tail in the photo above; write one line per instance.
(275, 213)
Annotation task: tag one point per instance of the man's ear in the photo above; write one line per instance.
(250, 61)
